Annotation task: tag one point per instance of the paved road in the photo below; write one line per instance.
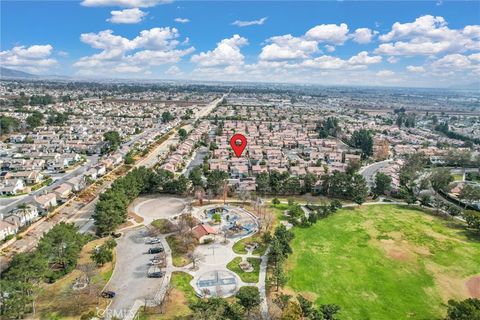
(197, 160)
(370, 171)
(91, 161)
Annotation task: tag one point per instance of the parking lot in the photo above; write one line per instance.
(129, 280)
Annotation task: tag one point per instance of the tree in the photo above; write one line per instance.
(279, 278)
(195, 176)
(352, 167)
(195, 258)
(216, 180)
(408, 195)
(8, 124)
(358, 189)
(34, 120)
(182, 133)
(14, 299)
(309, 182)
(113, 140)
(292, 186)
(473, 219)
(129, 159)
(282, 300)
(62, 246)
(328, 127)
(383, 184)
(167, 117)
(263, 183)
(362, 139)
(470, 194)
(102, 255)
(329, 311)
(468, 309)
(308, 310)
(249, 298)
(57, 118)
(440, 178)
(215, 309)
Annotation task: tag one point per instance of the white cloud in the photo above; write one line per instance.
(124, 3)
(385, 73)
(455, 62)
(363, 35)
(415, 69)
(62, 53)
(152, 47)
(36, 58)
(363, 58)
(287, 47)
(226, 53)
(127, 16)
(182, 20)
(393, 59)
(258, 22)
(329, 48)
(331, 33)
(359, 61)
(157, 39)
(428, 35)
(174, 71)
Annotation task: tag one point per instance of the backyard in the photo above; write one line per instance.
(384, 262)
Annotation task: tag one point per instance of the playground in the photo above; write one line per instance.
(233, 222)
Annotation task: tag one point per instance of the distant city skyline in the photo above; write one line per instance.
(373, 43)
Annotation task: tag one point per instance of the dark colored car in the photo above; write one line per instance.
(155, 250)
(108, 294)
(157, 274)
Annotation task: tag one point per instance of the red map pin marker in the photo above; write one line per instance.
(238, 143)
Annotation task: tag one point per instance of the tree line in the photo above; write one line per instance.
(111, 209)
(56, 255)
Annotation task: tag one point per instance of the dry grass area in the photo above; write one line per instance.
(59, 301)
(176, 303)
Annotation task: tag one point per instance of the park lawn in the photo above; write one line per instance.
(250, 277)
(457, 177)
(179, 259)
(176, 306)
(383, 262)
(58, 301)
(239, 246)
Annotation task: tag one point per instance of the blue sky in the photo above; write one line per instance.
(408, 43)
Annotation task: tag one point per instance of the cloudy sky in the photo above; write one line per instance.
(396, 43)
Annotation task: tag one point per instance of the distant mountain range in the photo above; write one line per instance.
(10, 73)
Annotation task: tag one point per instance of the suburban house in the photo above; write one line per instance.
(7, 229)
(23, 216)
(46, 201)
(63, 191)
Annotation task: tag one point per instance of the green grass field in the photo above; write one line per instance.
(383, 262)
(250, 277)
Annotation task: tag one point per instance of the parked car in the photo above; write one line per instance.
(155, 250)
(108, 294)
(157, 274)
(154, 241)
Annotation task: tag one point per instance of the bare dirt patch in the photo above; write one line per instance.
(473, 286)
(398, 254)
